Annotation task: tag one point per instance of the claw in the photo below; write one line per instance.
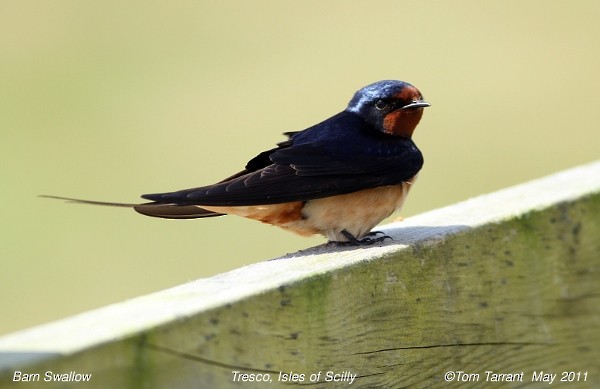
(374, 233)
(365, 241)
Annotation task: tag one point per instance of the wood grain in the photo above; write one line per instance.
(507, 283)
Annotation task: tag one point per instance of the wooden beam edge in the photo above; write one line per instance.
(122, 320)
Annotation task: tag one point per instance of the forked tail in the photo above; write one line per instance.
(154, 209)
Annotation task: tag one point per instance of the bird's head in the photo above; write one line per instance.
(392, 107)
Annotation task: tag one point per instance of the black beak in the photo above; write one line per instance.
(416, 104)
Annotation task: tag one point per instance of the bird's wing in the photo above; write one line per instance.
(304, 172)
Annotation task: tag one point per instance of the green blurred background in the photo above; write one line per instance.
(109, 100)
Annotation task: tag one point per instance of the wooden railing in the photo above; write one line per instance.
(503, 287)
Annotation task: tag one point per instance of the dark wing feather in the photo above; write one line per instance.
(173, 211)
(309, 178)
(332, 158)
(262, 160)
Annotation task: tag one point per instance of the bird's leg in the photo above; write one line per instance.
(369, 239)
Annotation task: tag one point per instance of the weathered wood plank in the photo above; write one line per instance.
(508, 282)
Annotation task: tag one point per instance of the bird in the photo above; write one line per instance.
(338, 178)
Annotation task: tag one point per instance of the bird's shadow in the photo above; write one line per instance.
(412, 234)
(404, 236)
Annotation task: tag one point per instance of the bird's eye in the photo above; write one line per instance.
(381, 105)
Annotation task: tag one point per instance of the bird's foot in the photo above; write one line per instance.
(367, 240)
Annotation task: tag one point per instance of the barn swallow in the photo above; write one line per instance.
(338, 178)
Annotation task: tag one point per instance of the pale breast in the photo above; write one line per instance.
(357, 212)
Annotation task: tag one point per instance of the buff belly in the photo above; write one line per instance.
(356, 213)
